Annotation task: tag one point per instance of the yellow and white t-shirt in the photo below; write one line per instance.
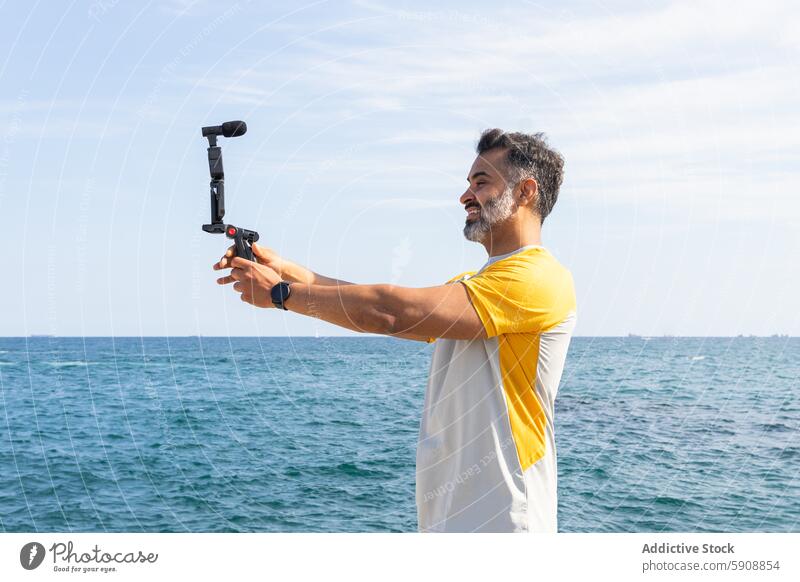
(486, 456)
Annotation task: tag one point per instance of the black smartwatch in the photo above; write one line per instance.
(280, 293)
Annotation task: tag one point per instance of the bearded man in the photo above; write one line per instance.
(486, 455)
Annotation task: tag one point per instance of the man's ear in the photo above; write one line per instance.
(528, 191)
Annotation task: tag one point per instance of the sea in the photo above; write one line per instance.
(304, 434)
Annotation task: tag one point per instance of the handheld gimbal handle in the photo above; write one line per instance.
(243, 239)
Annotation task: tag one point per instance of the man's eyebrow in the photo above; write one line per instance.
(476, 174)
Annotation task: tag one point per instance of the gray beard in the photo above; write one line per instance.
(493, 212)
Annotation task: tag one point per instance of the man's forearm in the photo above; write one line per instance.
(294, 272)
(318, 279)
(361, 308)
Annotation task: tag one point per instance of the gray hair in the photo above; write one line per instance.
(528, 156)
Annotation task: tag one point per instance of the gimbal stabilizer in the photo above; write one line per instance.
(243, 238)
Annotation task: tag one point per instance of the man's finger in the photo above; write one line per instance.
(239, 262)
(225, 280)
(222, 264)
(237, 286)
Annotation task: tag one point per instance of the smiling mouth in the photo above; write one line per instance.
(473, 211)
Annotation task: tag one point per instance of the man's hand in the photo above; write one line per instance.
(262, 255)
(254, 281)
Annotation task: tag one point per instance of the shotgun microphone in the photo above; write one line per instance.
(227, 129)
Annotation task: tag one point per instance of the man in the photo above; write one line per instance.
(486, 457)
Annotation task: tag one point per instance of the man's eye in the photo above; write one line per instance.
(480, 183)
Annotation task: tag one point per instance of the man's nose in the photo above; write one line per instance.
(466, 196)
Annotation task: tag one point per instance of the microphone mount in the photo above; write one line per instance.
(243, 238)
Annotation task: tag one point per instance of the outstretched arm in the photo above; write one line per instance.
(412, 313)
(406, 312)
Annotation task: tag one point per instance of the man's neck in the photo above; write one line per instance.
(501, 243)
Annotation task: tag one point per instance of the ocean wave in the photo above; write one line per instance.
(790, 453)
(71, 363)
(670, 501)
(774, 427)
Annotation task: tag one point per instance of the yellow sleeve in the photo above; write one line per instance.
(524, 293)
(458, 277)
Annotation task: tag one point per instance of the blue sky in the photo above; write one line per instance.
(678, 121)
